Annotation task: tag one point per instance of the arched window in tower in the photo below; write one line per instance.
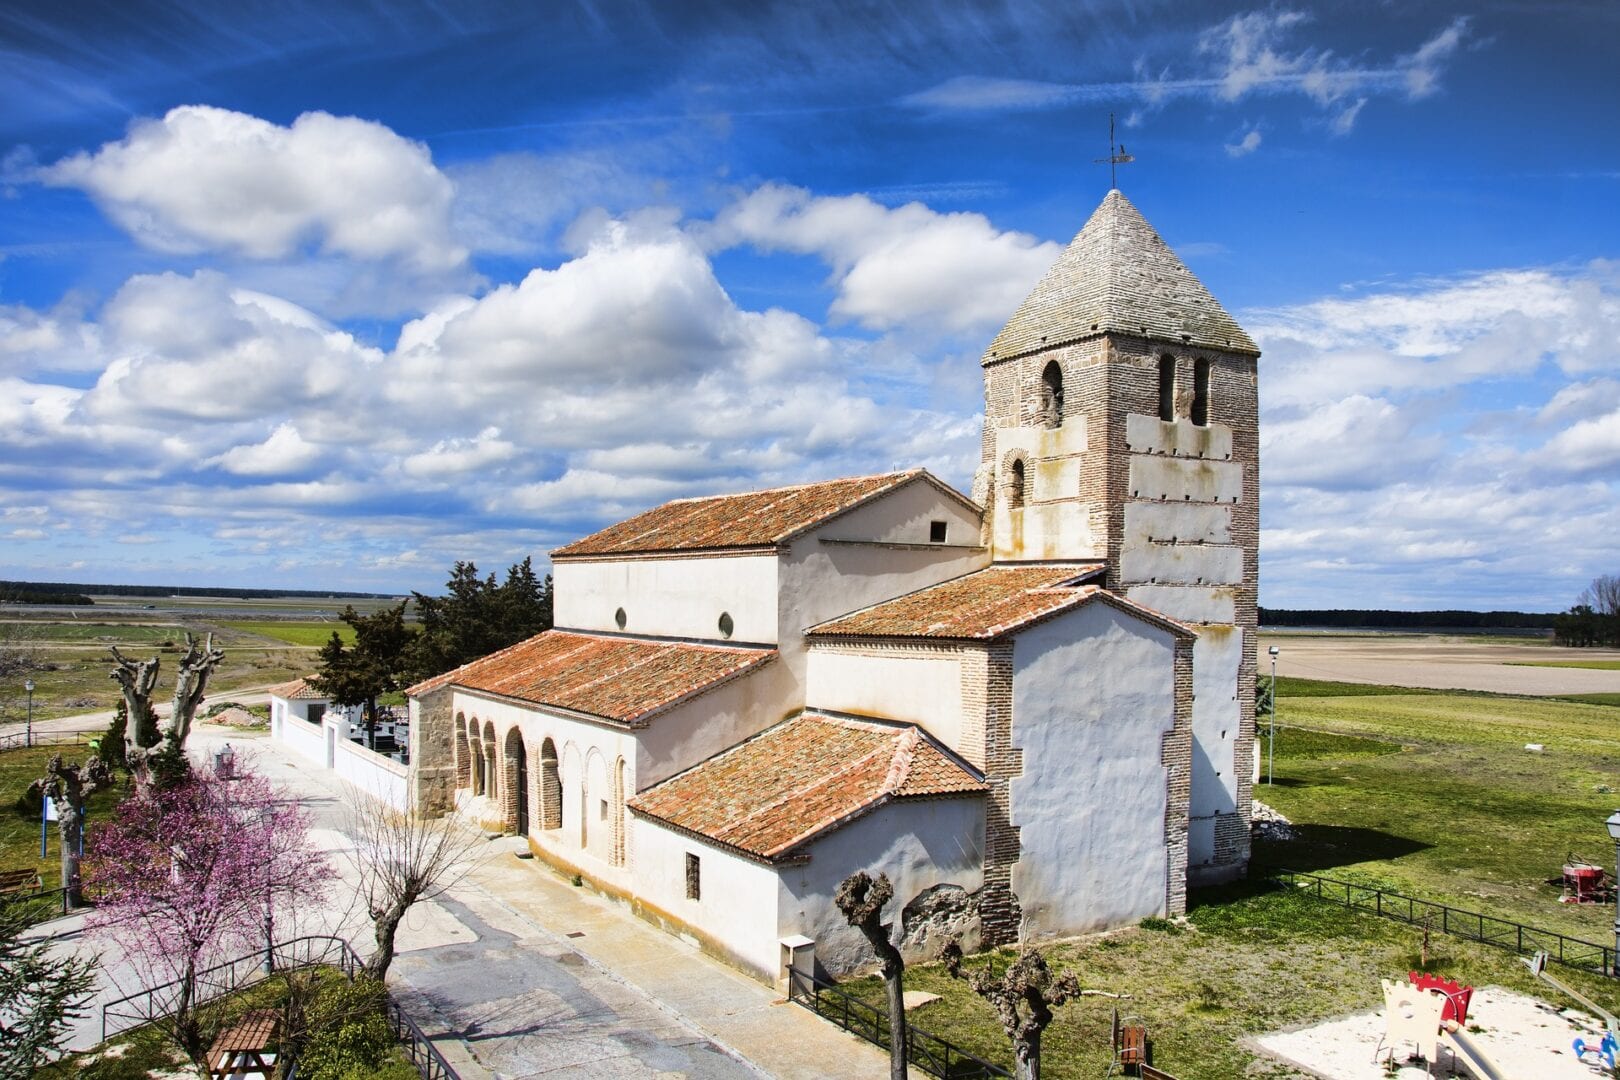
(1052, 395)
(1200, 405)
(1015, 485)
(1167, 388)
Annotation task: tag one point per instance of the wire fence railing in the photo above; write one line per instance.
(1458, 922)
(924, 1050)
(22, 740)
(226, 979)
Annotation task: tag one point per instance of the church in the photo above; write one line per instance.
(1031, 706)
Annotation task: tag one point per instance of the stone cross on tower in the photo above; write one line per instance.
(1116, 156)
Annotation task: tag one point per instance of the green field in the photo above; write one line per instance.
(1589, 665)
(304, 634)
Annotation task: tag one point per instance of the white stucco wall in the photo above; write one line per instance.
(304, 739)
(704, 726)
(670, 597)
(736, 911)
(1054, 522)
(918, 843)
(924, 688)
(1093, 697)
(381, 778)
(1216, 656)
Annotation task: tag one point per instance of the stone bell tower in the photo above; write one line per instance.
(1121, 426)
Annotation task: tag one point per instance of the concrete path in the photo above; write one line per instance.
(516, 973)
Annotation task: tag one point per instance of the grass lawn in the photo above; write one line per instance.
(19, 829)
(1590, 665)
(1247, 964)
(1433, 793)
(307, 634)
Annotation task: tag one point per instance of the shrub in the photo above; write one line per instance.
(349, 1035)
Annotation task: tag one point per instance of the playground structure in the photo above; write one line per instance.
(1426, 1013)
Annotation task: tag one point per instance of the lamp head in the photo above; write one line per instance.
(1614, 825)
(1274, 650)
(28, 685)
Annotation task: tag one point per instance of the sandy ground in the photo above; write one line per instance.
(1525, 1038)
(1438, 662)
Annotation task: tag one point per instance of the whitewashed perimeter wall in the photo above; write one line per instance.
(384, 779)
(670, 597)
(304, 739)
(1093, 696)
(918, 843)
(736, 907)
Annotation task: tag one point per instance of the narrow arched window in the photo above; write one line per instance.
(1167, 388)
(1200, 405)
(1015, 488)
(1052, 395)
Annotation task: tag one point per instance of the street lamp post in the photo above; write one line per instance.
(265, 823)
(28, 685)
(1271, 743)
(1614, 832)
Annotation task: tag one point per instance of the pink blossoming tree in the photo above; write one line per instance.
(192, 877)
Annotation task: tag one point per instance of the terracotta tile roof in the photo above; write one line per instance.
(1118, 276)
(748, 519)
(623, 679)
(771, 795)
(979, 606)
(297, 690)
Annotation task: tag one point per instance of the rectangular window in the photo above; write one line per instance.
(1167, 388)
(936, 532)
(603, 813)
(1200, 405)
(693, 885)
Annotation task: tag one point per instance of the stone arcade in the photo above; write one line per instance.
(1032, 709)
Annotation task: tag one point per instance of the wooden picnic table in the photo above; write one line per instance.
(241, 1048)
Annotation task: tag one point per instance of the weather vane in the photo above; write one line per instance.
(1116, 155)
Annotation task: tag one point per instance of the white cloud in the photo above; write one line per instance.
(449, 458)
(1246, 55)
(209, 179)
(284, 452)
(895, 266)
(1246, 145)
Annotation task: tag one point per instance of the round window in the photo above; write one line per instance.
(619, 618)
(726, 625)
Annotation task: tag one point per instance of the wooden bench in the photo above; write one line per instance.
(20, 881)
(240, 1049)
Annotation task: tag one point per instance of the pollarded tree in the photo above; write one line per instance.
(401, 859)
(40, 993)
(69, 788)
(194, 875)
(861, 898)
(154, 749)
(1023, 997)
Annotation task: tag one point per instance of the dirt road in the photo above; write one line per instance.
(1438, 662)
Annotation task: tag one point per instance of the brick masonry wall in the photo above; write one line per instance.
(999, 911)
(432, 778)
(1178, 744)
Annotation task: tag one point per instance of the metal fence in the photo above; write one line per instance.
(223, 980)
(18, 740)
(926, 1051)
(1486, 929)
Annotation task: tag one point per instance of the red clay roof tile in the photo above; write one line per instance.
(745, 520)
(978, 606)
(769, 796)
(621, 679)
(297, 690)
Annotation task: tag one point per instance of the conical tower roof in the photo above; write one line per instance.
(1117, 276)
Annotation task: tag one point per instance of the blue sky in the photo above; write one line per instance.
(332, 295)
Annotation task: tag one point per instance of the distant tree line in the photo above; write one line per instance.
(15, 593)
(1428, 620)
(56, 589)
(1594, 620)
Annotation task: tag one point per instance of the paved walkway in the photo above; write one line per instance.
(516, 973)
